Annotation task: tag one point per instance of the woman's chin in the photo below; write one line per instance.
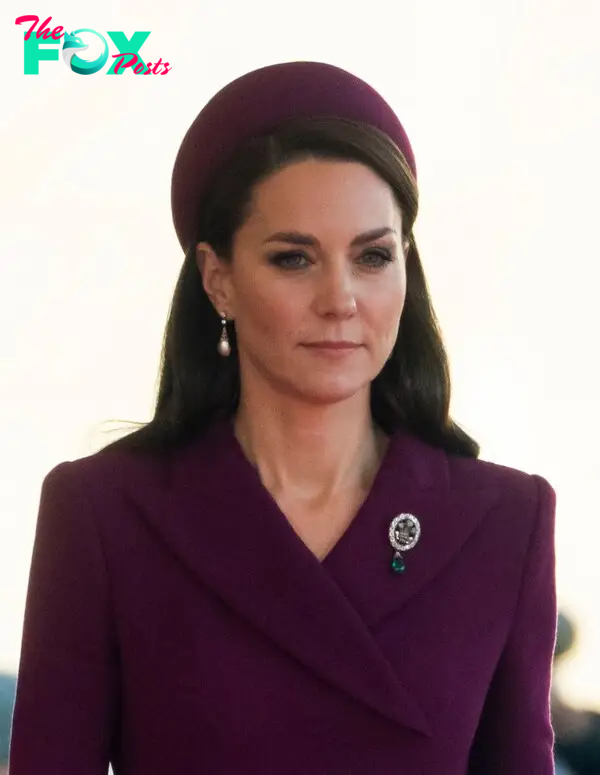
(328, 390)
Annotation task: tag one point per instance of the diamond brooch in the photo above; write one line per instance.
(404, 533)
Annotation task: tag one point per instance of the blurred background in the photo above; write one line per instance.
(500, 100)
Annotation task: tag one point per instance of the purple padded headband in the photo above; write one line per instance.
(258, 102)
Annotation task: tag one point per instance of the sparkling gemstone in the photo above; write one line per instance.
(404, 532)
(398, 565)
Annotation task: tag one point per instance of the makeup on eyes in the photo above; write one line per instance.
(285, 259)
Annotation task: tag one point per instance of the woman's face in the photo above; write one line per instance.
(317, 282)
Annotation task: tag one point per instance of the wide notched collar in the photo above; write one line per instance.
(214, 512)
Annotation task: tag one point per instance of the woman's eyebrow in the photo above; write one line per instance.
(297, 238)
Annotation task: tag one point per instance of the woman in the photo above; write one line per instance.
(299, 565)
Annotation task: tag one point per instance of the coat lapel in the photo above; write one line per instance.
(417, 479)
(224, 526)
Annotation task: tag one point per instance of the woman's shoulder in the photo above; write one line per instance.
(105, 470)
(469, 474)
(124, 466)
(521, 496)
(505, 494)
(478, 472)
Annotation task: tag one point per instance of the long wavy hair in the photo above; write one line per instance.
(197, 385)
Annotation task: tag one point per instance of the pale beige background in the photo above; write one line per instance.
(501, 102)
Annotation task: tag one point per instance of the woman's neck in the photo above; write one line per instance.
(311, 454)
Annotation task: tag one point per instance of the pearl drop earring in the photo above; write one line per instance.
(224, 348)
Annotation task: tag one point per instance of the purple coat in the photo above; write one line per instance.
(177, 625)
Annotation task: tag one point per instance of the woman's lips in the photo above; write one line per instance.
(333, 349)
(342, 345)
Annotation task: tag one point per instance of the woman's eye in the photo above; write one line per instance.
(377, 257)
(289, 260)
(374, 258)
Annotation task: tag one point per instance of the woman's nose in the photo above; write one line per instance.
(336, 293)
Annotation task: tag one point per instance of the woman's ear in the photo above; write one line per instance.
(216, 280)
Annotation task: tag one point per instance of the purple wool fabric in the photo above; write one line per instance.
(176, 624)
